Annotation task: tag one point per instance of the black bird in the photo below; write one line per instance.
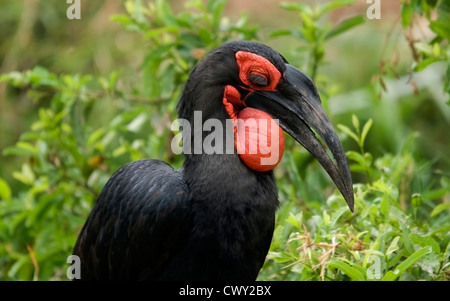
(214, 218)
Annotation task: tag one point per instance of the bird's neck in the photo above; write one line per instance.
(233, 209)
(216, 173)
(228, 181)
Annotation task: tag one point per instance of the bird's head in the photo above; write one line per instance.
(252, 81)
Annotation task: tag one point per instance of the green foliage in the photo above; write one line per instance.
(85, 127)
(388, 233)
(436, 49)
(314, 32)
(176, 42)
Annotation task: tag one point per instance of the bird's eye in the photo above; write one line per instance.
(258, 79)
(257, 72)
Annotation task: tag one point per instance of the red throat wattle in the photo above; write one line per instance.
(258, 138)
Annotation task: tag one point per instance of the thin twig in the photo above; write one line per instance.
(34, 261)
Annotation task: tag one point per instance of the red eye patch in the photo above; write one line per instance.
(257, 72)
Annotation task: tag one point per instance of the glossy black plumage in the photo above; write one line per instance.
(214, 218)
(143, 201)
(147, 225)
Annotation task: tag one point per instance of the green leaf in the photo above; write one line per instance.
(385, 205)
(355, 122)
(280, 257)
(165, 13)
(5, 191)
(351, 272)
(344, 26)
(436, 50)
(119, 151)
(95, 136)
(441, 28)
(424, 241)
(216, 8)
(334, 5)
(16, 79)
(308, 22)
(407, 14)
(336, 215)
(393, 246)
(40, 76)
(407, 263)
(405, 237)
(365, 131)
(431, 3)
(26, 175)
(435, 194)
(349, 132)
(443, 229)
(439, 208)
(281, 32)
(42, 208)
(424, 48)
(295, 220)
(295, 6)
(326, 218)
(159, 31)
(425, 63)
(21, 148)
(362, 160)
(20, 263)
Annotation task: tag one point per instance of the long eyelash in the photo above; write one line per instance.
(258, 79)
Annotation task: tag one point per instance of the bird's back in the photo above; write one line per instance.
(134, 230)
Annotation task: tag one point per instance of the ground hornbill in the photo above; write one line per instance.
(214, 218)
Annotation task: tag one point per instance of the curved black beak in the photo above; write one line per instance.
(297, 106)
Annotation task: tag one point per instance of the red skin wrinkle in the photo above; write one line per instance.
(250, 63)
(232, 101)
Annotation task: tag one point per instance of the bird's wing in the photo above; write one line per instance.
(139, 221)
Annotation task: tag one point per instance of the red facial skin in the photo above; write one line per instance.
(256, 73)
(253, 64)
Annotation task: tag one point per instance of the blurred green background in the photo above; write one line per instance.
(116, 75)
(39, 33)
